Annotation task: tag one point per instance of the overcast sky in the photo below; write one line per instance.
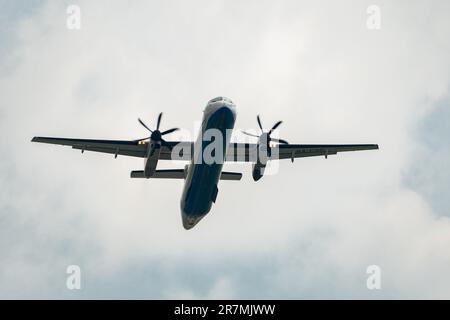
(309, 231)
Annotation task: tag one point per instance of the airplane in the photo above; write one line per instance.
(202, 177)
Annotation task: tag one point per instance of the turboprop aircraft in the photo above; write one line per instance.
(206, 155)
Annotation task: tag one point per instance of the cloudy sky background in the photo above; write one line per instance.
(308, 232)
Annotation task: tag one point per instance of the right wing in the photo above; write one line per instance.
(121, 147)
(116, 147)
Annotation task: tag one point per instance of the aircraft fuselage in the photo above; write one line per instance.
(200, 189)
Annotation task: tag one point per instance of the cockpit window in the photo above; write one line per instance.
(220, 99)
(216, 99)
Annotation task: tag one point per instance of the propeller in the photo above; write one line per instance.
(267, 134)
(156, 134)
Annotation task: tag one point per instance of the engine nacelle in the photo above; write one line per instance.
(258, 171)
(263, 156)
(264, 151)
(154, 149)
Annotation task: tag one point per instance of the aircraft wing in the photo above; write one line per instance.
(116, 147)
(292, 151)
(131, 148)
(245, 152)
(237, 152)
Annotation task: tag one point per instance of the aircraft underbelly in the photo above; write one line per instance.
(200, 189)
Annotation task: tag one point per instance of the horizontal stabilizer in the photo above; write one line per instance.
(161, 174)
(137, 174)
(181, 174)
(236, 176)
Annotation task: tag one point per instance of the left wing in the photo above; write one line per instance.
(247, 152)
(292, 151)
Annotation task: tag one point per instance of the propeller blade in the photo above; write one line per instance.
(144, 125)
(159, 121)
(279, 141)
(250, 134)
(259, 122)
(169, 131)
(275, 126)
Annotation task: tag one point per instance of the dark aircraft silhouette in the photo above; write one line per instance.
(205, 169)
